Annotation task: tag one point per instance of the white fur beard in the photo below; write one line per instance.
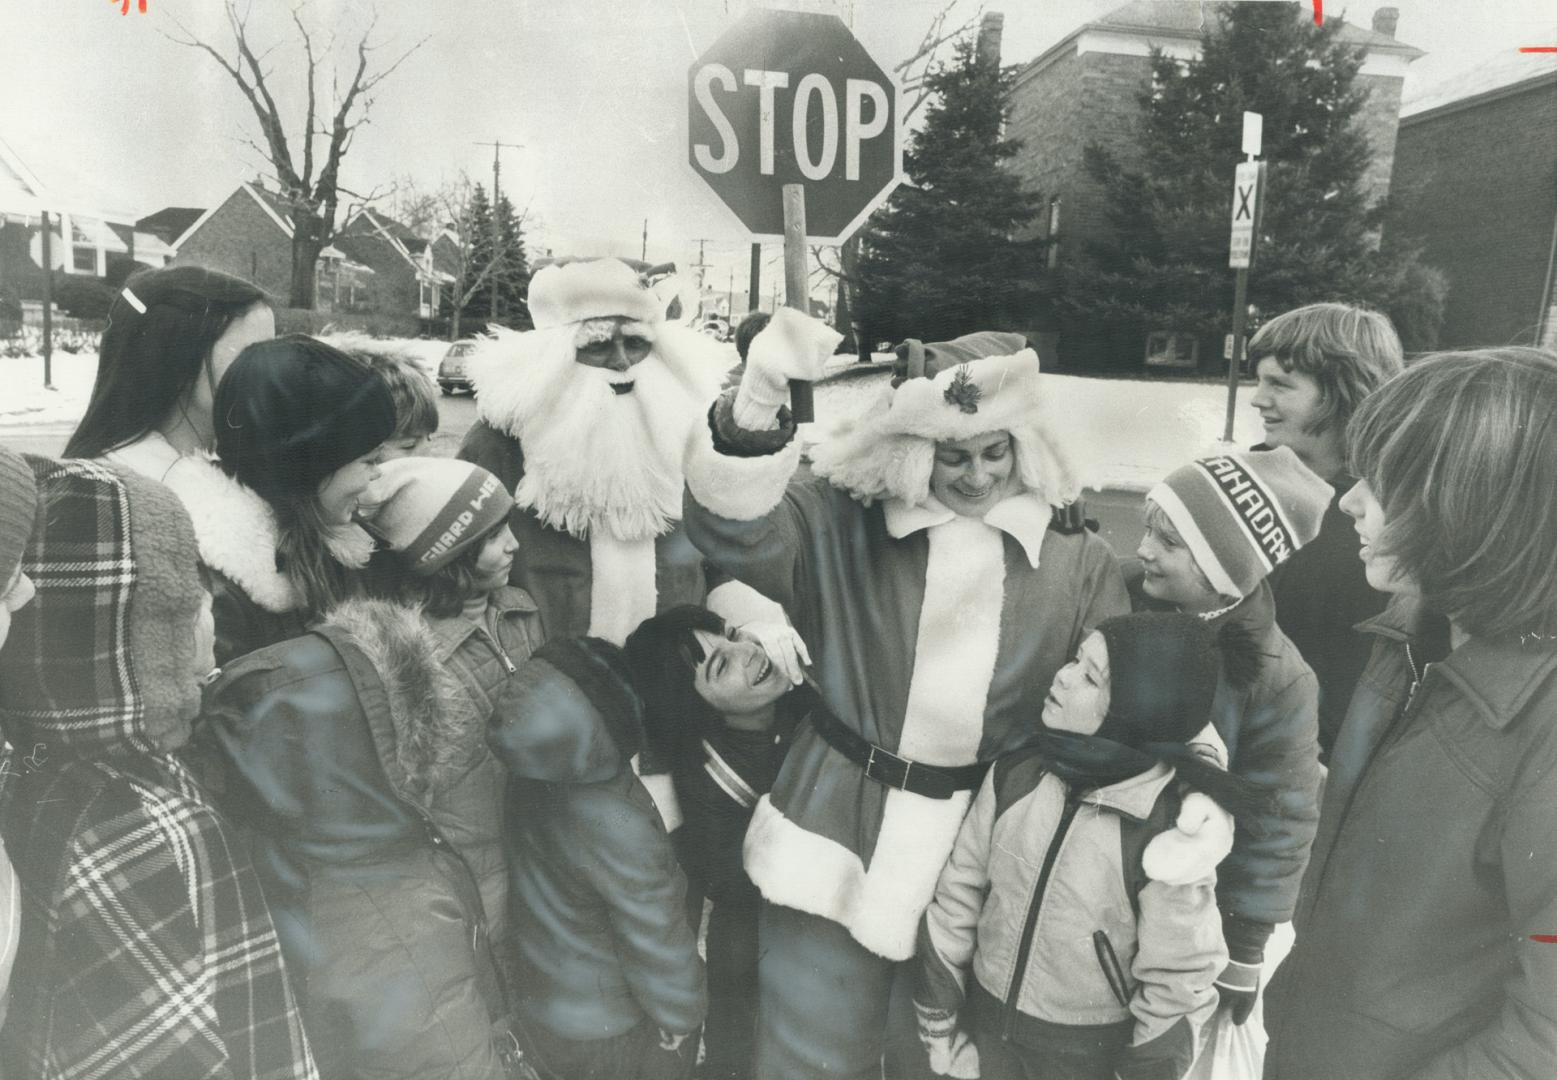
(597, 461)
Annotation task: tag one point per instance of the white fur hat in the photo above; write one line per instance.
(888, 452)
(572, 290)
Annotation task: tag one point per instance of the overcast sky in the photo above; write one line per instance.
(105, 107)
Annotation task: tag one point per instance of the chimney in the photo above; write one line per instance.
(990, 28)
(1384, 20)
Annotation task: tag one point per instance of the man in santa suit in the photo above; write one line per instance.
(584, 419)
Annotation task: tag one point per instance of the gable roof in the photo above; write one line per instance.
(1185, 20)
(1507, 72)
(171, 221)
(267, 201)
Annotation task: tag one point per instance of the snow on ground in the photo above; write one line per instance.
(1125, 433)
(23, 399)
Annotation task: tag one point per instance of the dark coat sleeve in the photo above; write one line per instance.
(627, 857)
(1277, 746)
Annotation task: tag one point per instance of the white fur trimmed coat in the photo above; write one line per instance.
(933, 636)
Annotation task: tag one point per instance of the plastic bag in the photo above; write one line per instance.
(1231, 1051)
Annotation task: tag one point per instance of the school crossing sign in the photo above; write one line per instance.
(791, 97)
(1248, 185)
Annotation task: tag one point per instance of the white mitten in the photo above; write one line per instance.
(1191, 850)
(791, 346)
(782, 643)
(950, 1050)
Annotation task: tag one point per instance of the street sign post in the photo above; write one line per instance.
(1248, 188)
(797, 130)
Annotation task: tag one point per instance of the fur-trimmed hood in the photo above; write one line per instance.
(436, 733)
(238, 533)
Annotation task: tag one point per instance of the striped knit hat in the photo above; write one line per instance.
(431, 509)
(1243, 514)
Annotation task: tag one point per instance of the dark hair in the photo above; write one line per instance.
(444, 591)
(149, 360)
(1460, 450)
(752, 325)
(664, 653)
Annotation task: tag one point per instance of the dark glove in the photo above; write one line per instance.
(1239, 983)
(1239, 986)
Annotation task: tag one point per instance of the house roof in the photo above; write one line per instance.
(1507, 72)
(268, 202)
(171, 221)
(1186, 19)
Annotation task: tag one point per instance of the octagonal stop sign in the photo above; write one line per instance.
(790, 97)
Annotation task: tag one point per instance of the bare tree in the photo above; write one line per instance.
(312, 197)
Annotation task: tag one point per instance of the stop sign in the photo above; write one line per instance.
(790, 97)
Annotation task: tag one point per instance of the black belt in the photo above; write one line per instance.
(890, 770)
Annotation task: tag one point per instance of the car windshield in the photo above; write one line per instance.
(464, 348)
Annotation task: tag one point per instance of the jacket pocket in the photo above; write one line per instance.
(1113, 971)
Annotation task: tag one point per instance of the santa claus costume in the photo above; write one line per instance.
(936, 635)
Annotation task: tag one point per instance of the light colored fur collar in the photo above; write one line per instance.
(438, 731)
(238, 534)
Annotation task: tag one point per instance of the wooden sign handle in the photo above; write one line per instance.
(797, 291)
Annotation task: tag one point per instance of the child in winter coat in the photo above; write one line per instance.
(1089, 928)
(720, 712)
(146, 946)
(610, 985)
(449, 551)
(1214, 530)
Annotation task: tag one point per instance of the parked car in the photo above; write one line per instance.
(451, 370)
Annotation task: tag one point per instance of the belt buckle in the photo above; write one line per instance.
(870, 768)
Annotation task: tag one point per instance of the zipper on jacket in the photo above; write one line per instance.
(1113, 970)
(508, 664)
(1030, 924)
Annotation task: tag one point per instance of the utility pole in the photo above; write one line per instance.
(702, 269)
(497, 171)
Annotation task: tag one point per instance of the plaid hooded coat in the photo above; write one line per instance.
(147, 949)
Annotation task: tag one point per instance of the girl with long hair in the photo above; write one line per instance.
(172, 333)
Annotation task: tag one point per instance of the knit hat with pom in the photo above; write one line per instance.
(1243, 514)
(431, 509)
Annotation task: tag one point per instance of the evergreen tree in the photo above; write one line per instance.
(477, 230)
(513, 269)
(1169, 204)
(941, 259)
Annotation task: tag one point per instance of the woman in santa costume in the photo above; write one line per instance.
(920, 564)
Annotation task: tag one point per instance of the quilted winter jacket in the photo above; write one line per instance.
(469, 813)
(341, 744)
(598, 922)
(1434, 875)
(1271, 729)
(1044, 899)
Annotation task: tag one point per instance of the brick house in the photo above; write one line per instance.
(409, 273)
(1476, 181)
(249, 234)
(1085, 89)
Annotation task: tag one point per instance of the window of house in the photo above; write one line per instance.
(1166, 348)
(83, 259)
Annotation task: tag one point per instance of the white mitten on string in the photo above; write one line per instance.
(791, 346)
(1191, 850)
